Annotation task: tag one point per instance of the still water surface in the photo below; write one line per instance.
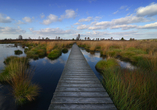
(46, 75)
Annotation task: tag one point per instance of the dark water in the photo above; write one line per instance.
(46, 75)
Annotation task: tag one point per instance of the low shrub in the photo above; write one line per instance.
(18, 52)
(65, 50)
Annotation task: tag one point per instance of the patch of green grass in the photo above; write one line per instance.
(18, 52)
(54, 54)
(106, 64)
(65, 50)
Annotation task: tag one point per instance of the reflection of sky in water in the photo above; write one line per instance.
(92, 60)
(126, 65)
(8, 50)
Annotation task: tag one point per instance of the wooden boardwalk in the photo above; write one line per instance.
(79, 88)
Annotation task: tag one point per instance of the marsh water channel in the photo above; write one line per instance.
(46, 74)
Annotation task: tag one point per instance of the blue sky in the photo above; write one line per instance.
(68, 18)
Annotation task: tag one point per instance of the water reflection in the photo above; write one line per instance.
(93, 58)
(46, 74)
(127, 65)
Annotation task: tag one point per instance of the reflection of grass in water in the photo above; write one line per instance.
(18, 52)
(19, 77)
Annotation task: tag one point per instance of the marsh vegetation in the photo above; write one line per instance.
(129, 89)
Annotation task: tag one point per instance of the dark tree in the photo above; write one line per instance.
(20, 37)
(78, 37)
(122, 38)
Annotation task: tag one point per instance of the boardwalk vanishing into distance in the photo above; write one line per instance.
(79, 88)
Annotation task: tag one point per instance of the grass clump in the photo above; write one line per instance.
(65, 50)
(17, 74)
(18, 52)
(106, 64)
(5, 75)
(54, 54)
(39, 51)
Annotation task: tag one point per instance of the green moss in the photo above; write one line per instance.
(65, 50)
(54, 54)
(18, 52)
(106, 64)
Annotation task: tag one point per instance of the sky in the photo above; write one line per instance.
(67, 18)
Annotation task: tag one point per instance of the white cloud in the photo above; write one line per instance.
(27, 19)
(149, 26)
(88, 19)
(51, 18)
(149, 10)
(5, 19)
(42, 15)
(9, 30)
(94, 28)
(103, 23)
(20, 22)
(68, 14)
(124, 27)
(116, 12)
(77, 24)
(82, 27)
(128, 20)
(52, 31)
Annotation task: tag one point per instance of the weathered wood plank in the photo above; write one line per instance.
(82, 107)
(79, 89)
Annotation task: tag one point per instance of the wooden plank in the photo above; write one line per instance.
(79, 100)
(70, 89)
(82, 107)
(81, 94)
